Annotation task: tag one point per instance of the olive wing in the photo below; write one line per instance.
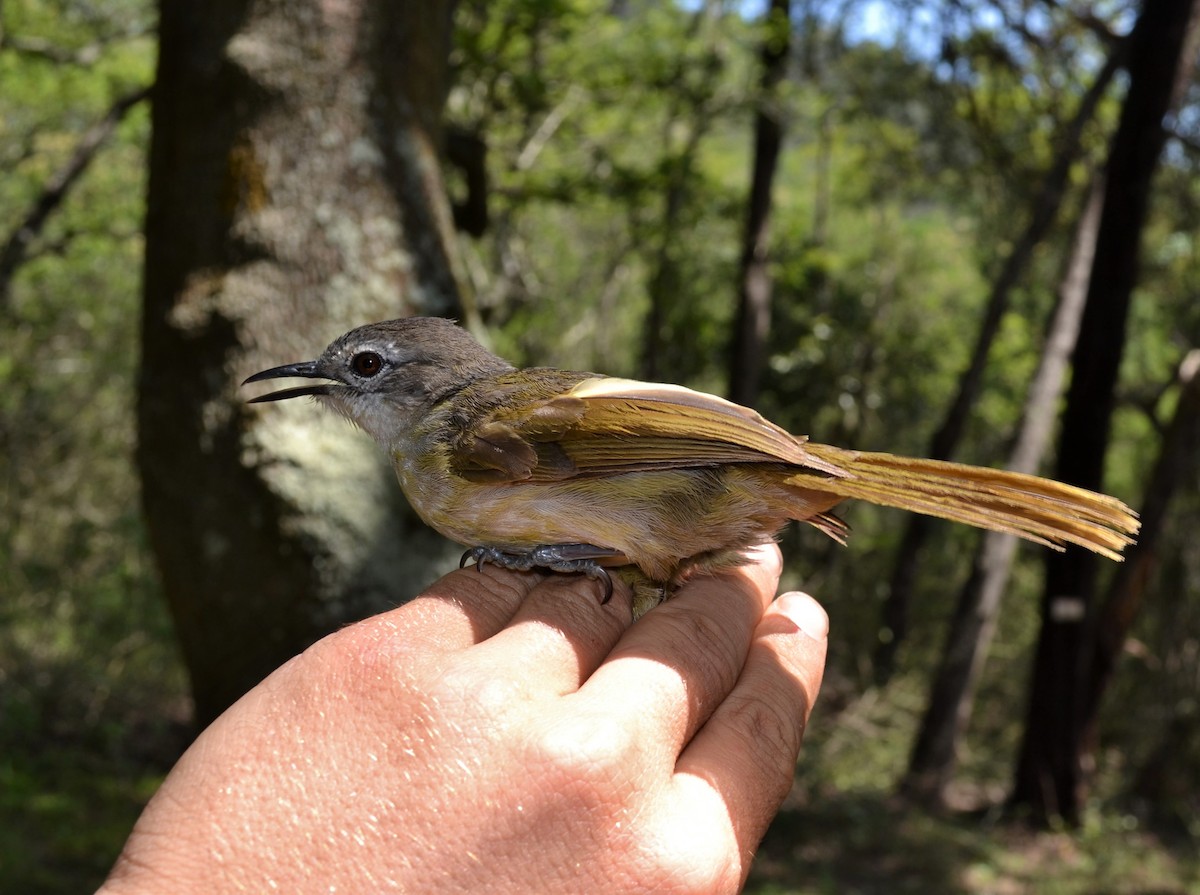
(605, 426)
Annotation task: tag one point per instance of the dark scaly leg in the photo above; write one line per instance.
(568, 558)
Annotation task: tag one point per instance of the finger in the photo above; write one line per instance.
(674, 666)
(458, 610)
(557, 638)
(745, 756)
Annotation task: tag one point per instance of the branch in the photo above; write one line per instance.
(16, 246)
(1087, 18)
(86, 56)
(546, 130)
(40, 48)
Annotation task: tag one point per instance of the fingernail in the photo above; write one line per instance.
(805, 612)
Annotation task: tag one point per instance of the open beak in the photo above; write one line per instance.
(306, 369)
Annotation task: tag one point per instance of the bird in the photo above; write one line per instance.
(576, 472)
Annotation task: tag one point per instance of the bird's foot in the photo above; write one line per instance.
(571, 558)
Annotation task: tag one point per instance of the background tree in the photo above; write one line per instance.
(1041, 216)
(1049, 776)
(1175, 467)
(753, 319)
(935, 753)
(294, 193)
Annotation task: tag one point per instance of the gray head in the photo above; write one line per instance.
(384, 376)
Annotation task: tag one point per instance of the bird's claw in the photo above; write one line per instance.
(567, 558)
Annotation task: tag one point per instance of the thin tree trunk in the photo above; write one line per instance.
(664, 285)
(1177, 459)
(1049, 778)
(945, 440)
(932, 763)
(753, 319)
(294, 193)
(823, 185)
(664, 289)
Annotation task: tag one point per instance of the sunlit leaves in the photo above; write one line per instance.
(72, 563)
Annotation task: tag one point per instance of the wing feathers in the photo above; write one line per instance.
(702, 429)
(498, 452)
(601, 426)
(558, 426)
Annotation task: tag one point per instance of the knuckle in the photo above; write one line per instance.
(335, 657)
(364, 660)
(504, 588)
(588, 750)
(482, 697)
(692, 859)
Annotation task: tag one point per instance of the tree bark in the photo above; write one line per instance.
(1049, 779)
(753, 320)
(934, 758)
(294, 193)
(944, 443)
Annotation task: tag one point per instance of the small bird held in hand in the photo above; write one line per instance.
(575, 472)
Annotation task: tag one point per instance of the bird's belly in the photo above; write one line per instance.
(658, 520)
(521, 516)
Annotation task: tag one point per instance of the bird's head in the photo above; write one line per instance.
(385, 376)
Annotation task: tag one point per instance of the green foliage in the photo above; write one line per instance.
(69, 809)
(844, 830)
(87, 658)
(608, 189)
(619, 157)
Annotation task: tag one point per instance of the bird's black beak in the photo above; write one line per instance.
(308, 369)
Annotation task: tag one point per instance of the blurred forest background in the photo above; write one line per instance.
(963, 228)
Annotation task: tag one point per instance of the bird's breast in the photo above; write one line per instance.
(656, 519)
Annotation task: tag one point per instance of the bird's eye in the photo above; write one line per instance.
(366, 363)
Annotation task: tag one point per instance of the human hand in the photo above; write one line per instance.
(503, 732)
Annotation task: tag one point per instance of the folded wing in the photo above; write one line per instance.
(605, 426)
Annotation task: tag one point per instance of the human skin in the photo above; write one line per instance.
(503, 732)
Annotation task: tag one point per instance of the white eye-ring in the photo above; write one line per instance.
(366, 364)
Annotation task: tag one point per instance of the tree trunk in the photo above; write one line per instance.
(294, 193)
(934, 757)
(1048, 776)
(1176, 461)
(753, 319)
(944, 444)
(692, 111)
(664, 286)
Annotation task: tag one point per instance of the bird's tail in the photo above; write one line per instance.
(1038, 509)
